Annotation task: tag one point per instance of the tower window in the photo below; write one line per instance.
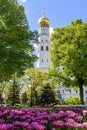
(85, 91)
(63, 91)
(47, 48)
(70, 90)
(76, 91)
(47, 60)
(42, 60)
(41, 48)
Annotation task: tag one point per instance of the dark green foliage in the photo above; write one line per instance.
(16, 52)
(24, 98)
(36, 36)
(14, 94)
(47, 96)
(1, 98)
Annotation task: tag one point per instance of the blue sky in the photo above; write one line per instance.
(59, 12)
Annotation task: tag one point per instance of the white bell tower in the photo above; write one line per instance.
(44, 62)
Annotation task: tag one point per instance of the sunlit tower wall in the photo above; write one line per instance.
(43, 47)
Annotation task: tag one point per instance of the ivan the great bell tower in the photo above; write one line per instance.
(44, 62)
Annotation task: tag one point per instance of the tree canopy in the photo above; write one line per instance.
(69, 55)
(37, 79)
(16, 52)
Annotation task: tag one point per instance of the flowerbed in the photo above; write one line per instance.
(60, 118)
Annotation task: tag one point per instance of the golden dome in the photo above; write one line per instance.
(43, 21)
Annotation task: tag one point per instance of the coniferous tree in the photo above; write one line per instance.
(47, 96)
(14, 94)
(24, 98)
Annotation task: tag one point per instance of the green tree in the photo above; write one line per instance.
(36, 36)
(37, 79)
(2, 23)
(69, 55)
(16, 51)
(1, 99)
(24, 98)
(72, 100)
(14, 94)
(47, 96)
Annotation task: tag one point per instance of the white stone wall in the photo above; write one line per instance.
(67, 93)
(43, 53)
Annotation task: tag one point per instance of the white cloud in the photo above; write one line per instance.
(51, 30)
(23, 0)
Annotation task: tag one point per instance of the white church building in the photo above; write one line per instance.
(44, 62)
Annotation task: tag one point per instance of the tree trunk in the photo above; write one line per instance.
(31, 102)
(81, 92)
